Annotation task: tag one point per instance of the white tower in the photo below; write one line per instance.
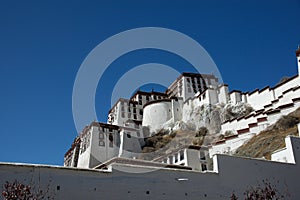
(298, 59)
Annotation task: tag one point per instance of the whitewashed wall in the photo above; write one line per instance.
(156, 114)
(278, 90)
(230, 145)
(231, 175)
(223, 94)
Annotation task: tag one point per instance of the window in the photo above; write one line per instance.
(181, 155)
(202, 155)
(110, 137)
(110, 129)
(129, 115)
(111, 144)
(122, 115)
(101, 143)
(141, 111)
(176, 158)
(101, 135)
(138, 134)
(147, 98)
(134, 116)
(203, 167)
(140, 102)
(128, 135)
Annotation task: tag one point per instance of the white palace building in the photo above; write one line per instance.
(132, 120)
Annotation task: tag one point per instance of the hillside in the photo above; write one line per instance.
(271, 139)
(166, 141)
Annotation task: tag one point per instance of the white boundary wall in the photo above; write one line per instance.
(231, 174)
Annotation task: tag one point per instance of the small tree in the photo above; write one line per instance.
(261, 192)
(20, 191)
(265, 192)
(203, 131)
(286, 122)
(228, 133)
(233, 197)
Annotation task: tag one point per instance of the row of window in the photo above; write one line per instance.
(102, 139)
(174, 159)
(128, 115)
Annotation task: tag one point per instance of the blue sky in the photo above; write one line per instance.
(42, 45)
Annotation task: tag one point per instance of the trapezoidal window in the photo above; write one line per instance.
(111, 140)
(101, 143)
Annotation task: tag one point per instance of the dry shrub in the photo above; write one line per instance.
(286, 122)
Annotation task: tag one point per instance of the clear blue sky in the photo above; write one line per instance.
(42, 45)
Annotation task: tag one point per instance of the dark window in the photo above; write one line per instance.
(181, 155)
(202, 155)
(110, 137)
(203, 166)
(101, 143)
(128, 135)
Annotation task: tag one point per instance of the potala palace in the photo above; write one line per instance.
(146, 113)
(108, 160)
